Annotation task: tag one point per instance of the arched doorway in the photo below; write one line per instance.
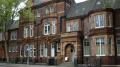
(69, 51)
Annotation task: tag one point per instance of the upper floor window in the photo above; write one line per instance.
(72, 26)
(28, 31)
(99, 20)
(100, 47)
(110, 19)
(50, 28)
(13, 35)
(49, 9)
(53, 26)
(37, 12)
(46, 29)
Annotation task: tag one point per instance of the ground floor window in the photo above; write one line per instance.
(86, 47)
(43, 50)
(100, 47)
(118, 45)
(110, 45)
(29, 50)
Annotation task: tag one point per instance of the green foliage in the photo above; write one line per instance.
(8, 10)
(27, 14)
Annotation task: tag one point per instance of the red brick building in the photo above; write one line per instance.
(63, 30)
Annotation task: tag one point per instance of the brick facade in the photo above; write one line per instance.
(67, 43)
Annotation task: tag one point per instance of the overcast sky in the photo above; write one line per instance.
(78, 1)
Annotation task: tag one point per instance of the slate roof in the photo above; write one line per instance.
(84, 7)
(14, 25)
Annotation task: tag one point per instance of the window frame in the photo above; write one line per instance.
(118, 38)
(100, 45)
(46, 29)
(98, 18)
(88, 46)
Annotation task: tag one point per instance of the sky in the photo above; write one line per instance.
(78, 1)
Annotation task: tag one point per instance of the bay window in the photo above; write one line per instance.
(99, 20)
(110, 45)
(100, 47)
(118, 45)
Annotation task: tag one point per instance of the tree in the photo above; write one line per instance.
(8, 11)
(27, 14)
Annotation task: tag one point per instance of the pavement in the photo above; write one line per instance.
(25, 65)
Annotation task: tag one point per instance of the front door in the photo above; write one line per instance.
(69, 49)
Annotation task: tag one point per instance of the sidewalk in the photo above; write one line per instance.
(25, 65)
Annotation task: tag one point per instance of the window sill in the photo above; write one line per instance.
(86, 55)
(100, 55)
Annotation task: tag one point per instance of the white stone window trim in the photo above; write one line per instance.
(54, 27)
(47, 25)
(85, 45)
(103, 18)
(100, 46)
(117, 45)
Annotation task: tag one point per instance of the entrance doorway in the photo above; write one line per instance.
(69, 51)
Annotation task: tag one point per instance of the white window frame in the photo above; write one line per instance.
(68, 27)
(41, 50)
(71, 26)
(47, 10)
(118, 39)
(21, 51)
(52, 50)
(110, 45)
(25, 49)
(88, 46)
(45, 50)
(28, 31)
(54, 27)
(98, 19)
(31, 30)
(46, 27)
(100, 46)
